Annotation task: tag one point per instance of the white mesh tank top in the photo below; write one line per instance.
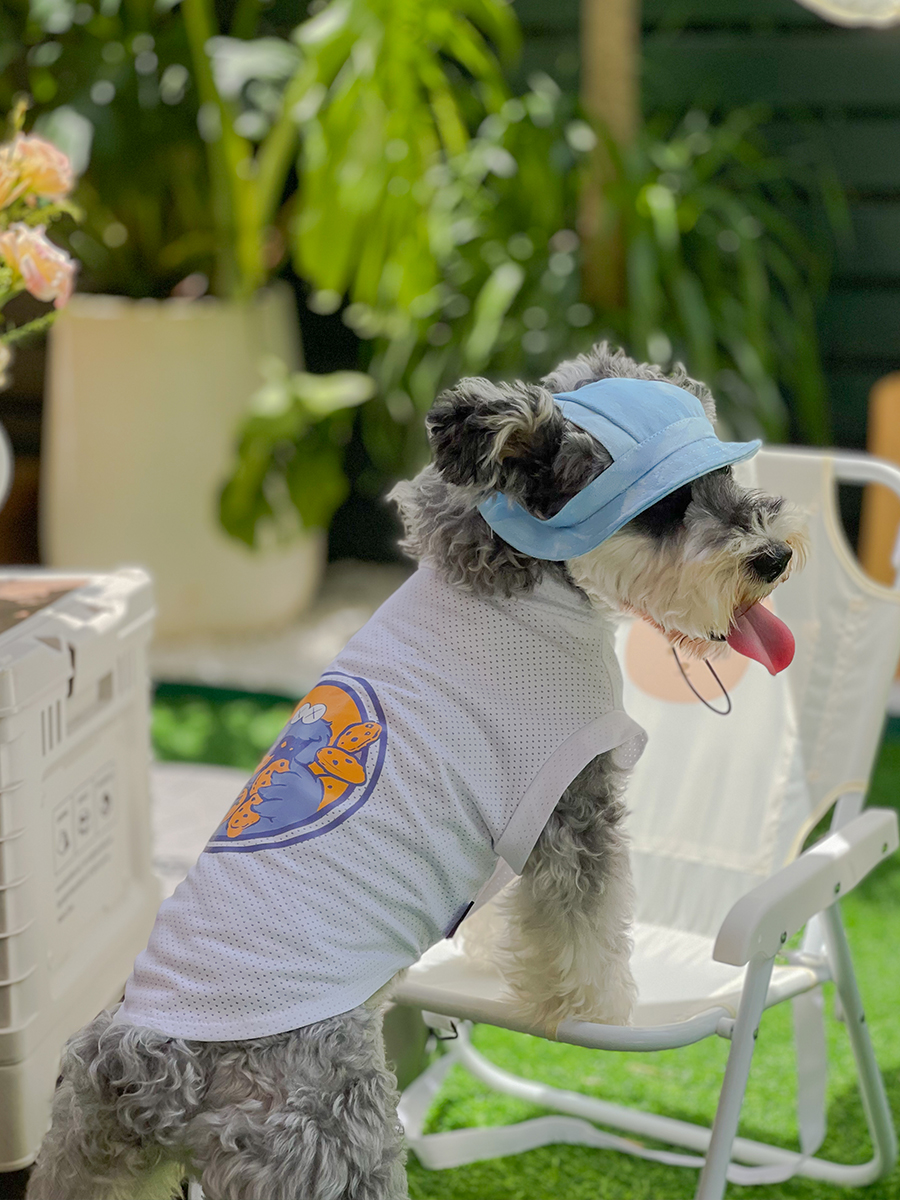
(438, 741)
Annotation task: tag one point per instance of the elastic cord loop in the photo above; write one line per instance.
(720, 712)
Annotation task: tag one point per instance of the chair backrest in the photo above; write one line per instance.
(720, 802)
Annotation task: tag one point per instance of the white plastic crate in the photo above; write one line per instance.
(77, 892)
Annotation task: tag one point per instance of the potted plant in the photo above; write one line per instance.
(386, 100)
(146, 389)
(727, 249)
(143, 393)
(143, 397)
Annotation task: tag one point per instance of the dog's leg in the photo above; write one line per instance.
(568, 944)
(95, 1148)
(307, 1115)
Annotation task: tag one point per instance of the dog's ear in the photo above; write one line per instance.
(512, 438)
(477, 426)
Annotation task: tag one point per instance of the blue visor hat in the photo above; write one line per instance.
(659, 439)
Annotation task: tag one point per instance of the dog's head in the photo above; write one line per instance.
(696, 563)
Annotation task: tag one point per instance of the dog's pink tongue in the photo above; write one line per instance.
(759, 634)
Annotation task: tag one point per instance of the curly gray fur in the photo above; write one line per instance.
(575, 845)
(443, 527)
(567, 943)
(305, 1115)
(603, 362)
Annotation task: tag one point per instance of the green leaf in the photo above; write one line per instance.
(316, 482)
(661, 204)
(406, 84)
(697, 321)
(491, 307)
(322, 395)
(236, 61)
(645, 294)
(242, 501)
(20, 333)
(325, 25)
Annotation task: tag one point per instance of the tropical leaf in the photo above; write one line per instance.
(322, 395)
(720, 272)
(405, 82)
(491, 306)
(316, 482)
(289, 453)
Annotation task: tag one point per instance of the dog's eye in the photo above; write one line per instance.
(665, 516)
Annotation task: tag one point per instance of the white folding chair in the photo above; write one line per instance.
(720, 810)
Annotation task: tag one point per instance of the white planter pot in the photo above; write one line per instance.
(142, 404)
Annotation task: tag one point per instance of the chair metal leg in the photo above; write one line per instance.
(871, 1085)
(743, 1038)
(768, 1163)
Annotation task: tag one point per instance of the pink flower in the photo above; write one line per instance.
(46, 171)
(46, 270)
(11, 183)
(33, 167)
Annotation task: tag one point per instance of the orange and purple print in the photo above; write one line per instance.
(321, 753)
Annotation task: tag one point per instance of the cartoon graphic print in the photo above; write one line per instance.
(320, 756)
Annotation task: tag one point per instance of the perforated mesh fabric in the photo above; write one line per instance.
(482, 705)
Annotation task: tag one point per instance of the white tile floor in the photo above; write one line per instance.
(188, 800)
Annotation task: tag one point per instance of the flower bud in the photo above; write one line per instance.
(11, 184)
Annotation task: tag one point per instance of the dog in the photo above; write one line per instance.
(265, 1077)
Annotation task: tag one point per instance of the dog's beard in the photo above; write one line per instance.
(705, 602)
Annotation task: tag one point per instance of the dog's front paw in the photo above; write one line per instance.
(613, 1005)
(610, 1003)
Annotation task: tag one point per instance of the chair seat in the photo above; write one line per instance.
(676, 975)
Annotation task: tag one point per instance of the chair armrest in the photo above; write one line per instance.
(763, 920)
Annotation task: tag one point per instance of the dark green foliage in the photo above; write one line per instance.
(720, 273)
(113, 78)
(439, 207)
(508, 304)
(289, 458)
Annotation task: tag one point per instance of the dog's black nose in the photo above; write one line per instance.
(771, 563)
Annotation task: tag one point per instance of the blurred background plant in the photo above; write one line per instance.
(290, 453)
(726, 248)
(35, 181)
(111, 86)
(383, 98)
(507, 303)
(721, 273)
(376, 154)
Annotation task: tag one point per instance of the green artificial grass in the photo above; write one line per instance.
(235, 729)
(211, 725)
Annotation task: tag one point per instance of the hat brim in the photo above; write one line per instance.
(560, 537)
